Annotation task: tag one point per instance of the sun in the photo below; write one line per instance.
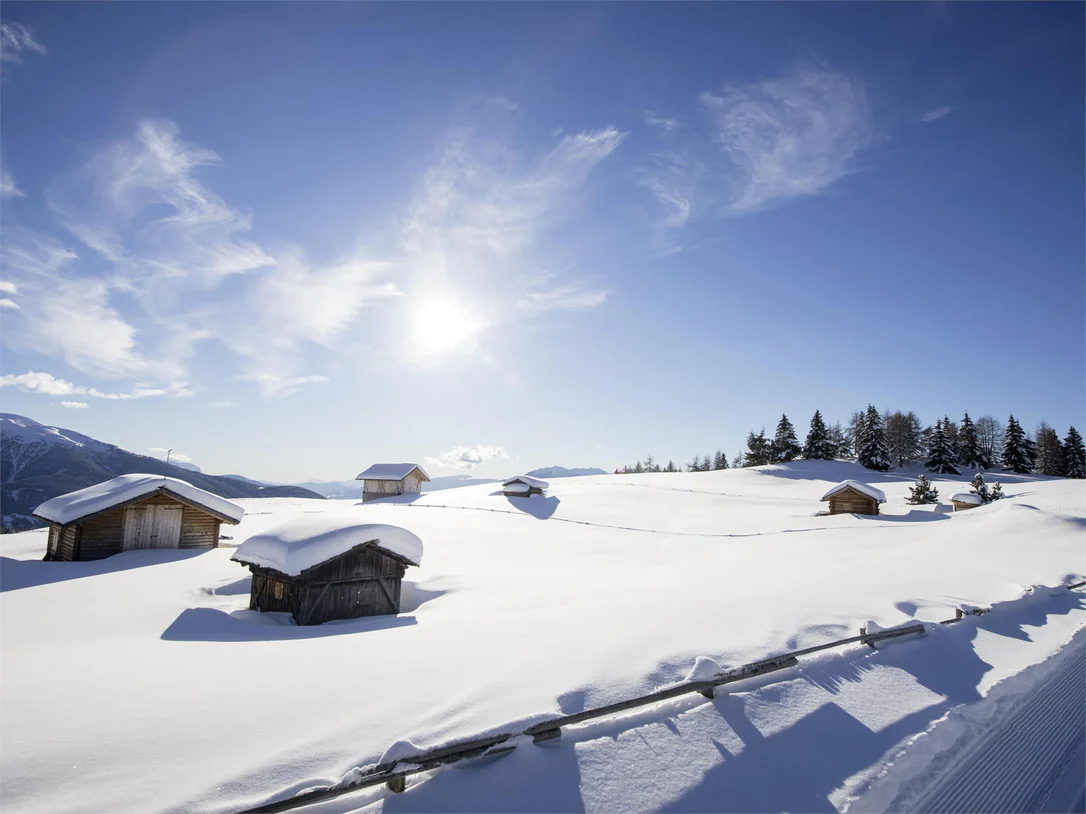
(442, 325)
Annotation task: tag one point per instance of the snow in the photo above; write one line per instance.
(859, 486)
(308, 541)
(528, 479)
(517, 488)
(28, 431)
(83, 502)
(143, 683)
(390, 472)
(967, 497)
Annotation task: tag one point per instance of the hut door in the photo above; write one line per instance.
(152, 527)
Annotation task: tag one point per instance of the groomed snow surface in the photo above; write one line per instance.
(143, 683)
(85, 502)
(307, 541)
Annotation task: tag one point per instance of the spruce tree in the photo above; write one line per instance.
(872, 452)
(970, 455)
(996, 492)
(758, 451)
(980, 488)
(738, 462)
(671, 467)
(1074, 455)
(922, 492)
(940, 456)
(1015, 454)
(784, 447)
(1049, 451)
(951, 430)
(839, 439)
(818, 446)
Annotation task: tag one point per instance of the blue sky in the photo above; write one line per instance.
(289, 240)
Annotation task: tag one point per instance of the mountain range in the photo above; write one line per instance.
(38, 462)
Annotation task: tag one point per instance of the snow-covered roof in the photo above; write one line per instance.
(862, 488)
(528, 479)
(309, 540)
(391, 472)
(516, 488)
(102, 496)
(967, 497)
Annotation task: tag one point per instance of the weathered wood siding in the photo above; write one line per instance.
(362, 582)
(959, 506)
(535, 490)
(103, 535)
(410, 485)
(849, 501)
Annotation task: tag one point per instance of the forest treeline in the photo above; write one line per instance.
(890, 439)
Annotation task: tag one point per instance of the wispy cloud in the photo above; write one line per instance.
(8, 287)
(467, 457)
(5, 303)
(572, 297)
(667, 124)
(789, 137)
(220, 405)
(273, 384)
(672, 176)
(15, 41)
(8, 187)
(47, 384)
(161, 452)
(75, 405)
(937, 113)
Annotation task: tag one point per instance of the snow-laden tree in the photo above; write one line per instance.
(720, 460)
(969, 453)
(922, 492)
(840, 440)
(758, 449)
(819, 446)
(872, 452)
(940, 455)
(1074, 455)
(1049, 451)
(784, 448)
(1015, 451)
(979, 488)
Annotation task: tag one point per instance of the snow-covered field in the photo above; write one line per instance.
(142, 683)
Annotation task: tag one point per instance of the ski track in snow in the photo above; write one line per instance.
(1016, 765)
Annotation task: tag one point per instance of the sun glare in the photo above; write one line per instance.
(441, 325)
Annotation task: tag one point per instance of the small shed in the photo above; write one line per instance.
(134, 512)
(854, 497)
(966, 500)
(524, 486)
(329, 566)
(384, 480)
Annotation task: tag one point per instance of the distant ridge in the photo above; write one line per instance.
(38, 462)
(563, 472)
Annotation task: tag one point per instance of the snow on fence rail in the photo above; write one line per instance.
(394, 773)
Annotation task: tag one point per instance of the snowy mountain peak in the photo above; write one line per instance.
(28, 431)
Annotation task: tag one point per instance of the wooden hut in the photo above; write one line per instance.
(385, 480)
(524, 486)
(854, 497)
(966, 500)
(329, 566)
(134, 512)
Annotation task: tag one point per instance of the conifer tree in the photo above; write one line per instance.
(940, 456)
(720, 460)
(951, 430)
(996, 492)
(758, 451)
(903, 437)
(840, 441)
(1074, 455)
(1015, 453)
(980, 488)
(671, 467)
(969, 455)
(784, 447)
(922, 492)
(872, 452)
(738, 461)
(818, 446)
(1049, 451)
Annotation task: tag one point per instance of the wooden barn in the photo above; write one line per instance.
(966, 500)
(854, 497)
(329, 566)
(524, 486)
(134, 512)
(385, 480)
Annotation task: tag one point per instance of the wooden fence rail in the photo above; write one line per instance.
(394, 773)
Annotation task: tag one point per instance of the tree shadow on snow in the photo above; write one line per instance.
(213, 625)
(18, 574)
(537, 506)
(798, 767)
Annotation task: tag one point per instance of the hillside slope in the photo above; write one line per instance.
(38, 462)
(609, 587)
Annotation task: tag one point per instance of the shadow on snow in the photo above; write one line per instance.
(18, 574)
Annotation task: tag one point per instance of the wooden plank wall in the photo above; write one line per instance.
(850, 502)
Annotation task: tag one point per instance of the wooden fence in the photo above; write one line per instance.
(394, 773)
